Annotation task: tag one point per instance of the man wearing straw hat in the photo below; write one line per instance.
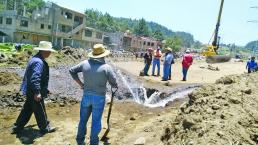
(167, 64)
(96, 74)
(35, 86)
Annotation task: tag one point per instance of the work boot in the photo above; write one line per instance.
(16, 129)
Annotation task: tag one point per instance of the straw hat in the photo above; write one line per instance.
(45, 46)
(187, 51)
(168, 49)
(99, 50)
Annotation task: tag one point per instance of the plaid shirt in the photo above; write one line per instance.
(36, 77)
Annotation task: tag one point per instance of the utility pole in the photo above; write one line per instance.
(256, 43)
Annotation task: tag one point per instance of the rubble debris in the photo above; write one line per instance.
(225, 113)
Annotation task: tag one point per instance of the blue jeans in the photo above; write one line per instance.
(170, 71)
(184, 73)
(166, 72)
(94, 105)
(156, 61)
(146, 69)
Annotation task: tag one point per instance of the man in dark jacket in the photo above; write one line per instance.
(147, 61)
(35, 86)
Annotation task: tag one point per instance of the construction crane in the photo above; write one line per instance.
(211, 53)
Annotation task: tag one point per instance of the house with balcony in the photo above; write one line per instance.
(136, 43)
(60, 25)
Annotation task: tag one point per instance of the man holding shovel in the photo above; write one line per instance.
(96, 73)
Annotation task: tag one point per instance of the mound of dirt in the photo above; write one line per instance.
(223, 113)
(9, 78)
(73, 52)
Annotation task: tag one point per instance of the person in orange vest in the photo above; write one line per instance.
(156, 61)
(186, 63)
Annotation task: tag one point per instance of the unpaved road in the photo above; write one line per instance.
(129, 121)
(196, 74)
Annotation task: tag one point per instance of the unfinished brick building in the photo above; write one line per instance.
(53, 23)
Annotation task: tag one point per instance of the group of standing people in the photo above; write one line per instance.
(96, 74)
(154, 58)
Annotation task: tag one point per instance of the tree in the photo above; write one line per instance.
(252, 44)
(197, 45)
(32, 5)
(187, 39)
(141, 29)
(1, 7)
(93, 17)
(174, 42)
(158, 35)
(96, 19)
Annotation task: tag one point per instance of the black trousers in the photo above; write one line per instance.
(31, 106)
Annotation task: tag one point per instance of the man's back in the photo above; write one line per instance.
(96, 73)
(187, 60)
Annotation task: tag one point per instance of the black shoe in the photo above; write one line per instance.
(146, 75)
(164, 80)
(183, 80)
(16, 130)
(48, 130)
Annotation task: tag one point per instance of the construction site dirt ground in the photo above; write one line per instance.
(129, 120)
(198, 72)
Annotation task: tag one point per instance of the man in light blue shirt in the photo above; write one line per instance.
(167, 64)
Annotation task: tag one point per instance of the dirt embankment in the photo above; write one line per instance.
(222, 113)
(66, 55)
(11, 97)
(8, 78)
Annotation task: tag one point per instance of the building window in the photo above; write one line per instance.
(99, 35)
(144, 43)
(9, 21)
(41, 26)
(1, 20)
(88, 33)
(152, 44)
(63, 28)
(49, 27)
(148, 43)
(68, 15)
(24, 23)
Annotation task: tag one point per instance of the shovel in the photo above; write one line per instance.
(104, 137)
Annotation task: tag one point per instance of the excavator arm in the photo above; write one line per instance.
(211, 52)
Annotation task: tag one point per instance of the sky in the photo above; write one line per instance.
(197, 17)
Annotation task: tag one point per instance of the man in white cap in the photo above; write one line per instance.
(186, 63)
(96, 74)
(35, 86)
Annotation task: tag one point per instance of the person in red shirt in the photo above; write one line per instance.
(186, 63)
